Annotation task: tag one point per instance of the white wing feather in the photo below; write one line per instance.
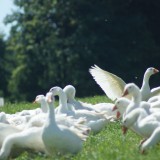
(155, 91)
(111, 84)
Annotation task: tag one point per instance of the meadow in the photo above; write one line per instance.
(109, 144)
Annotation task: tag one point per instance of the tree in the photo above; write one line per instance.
(54, 42)
(3, 80)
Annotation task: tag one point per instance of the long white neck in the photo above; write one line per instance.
(62, 101)
(51, 114)
(145, 89)
(136, 96)
(70, 92)
(44, 106)
(123, 108)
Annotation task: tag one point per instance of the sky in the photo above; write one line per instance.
(6, 7)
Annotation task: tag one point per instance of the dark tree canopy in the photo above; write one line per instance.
(54, 42)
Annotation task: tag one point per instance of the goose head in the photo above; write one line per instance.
(70, 92)
(49, 97)
(56, 90)
(120, 105)
(130, 88)
(150, 71)
(39, 98)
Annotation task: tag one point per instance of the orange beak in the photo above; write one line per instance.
(34, 101)
(155, 71)
(124, 130)
(125, 93)
(118, 114)
(50, 98)
(142, 152)
(114, 108)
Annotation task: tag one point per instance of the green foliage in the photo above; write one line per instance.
(3, 70)
(107, 144)
(55, 42)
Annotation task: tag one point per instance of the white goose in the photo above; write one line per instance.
(33, 111)
(113, 85)
(41, 100)
(134, 91)
(143, 123)
(29, 112)
(63, 109)
(14, 119)
(27, 139)
(96, 121)
(39, 119)
(6, 130)
(60, 138)
(121, 105)
(70, 92)
(99, 107)
(3, 118)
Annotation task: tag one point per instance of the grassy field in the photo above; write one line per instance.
(109, 144)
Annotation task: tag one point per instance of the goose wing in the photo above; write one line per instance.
(111, 84)
(155, 91)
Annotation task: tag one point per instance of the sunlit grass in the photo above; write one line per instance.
(109, 144)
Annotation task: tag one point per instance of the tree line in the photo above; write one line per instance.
(55, 42)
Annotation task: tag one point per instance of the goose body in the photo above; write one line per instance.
(97, 119)
(143, 123)
(63, 109)
(6, 130)
(134, 91)
(39, 119)
(70, 92)
(60, 138)
(27, 139)
(3, 118)
(121, 105)
(135, 106)
(29, 112)
(113, 85)
(151, 141)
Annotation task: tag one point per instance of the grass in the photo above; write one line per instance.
(109, 144)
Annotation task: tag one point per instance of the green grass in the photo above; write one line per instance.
(109, 144)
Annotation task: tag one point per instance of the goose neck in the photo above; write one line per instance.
(136, 115)
(51, 114)
(137, 97)
(63, 100)
(44, 106)
(146, 81)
